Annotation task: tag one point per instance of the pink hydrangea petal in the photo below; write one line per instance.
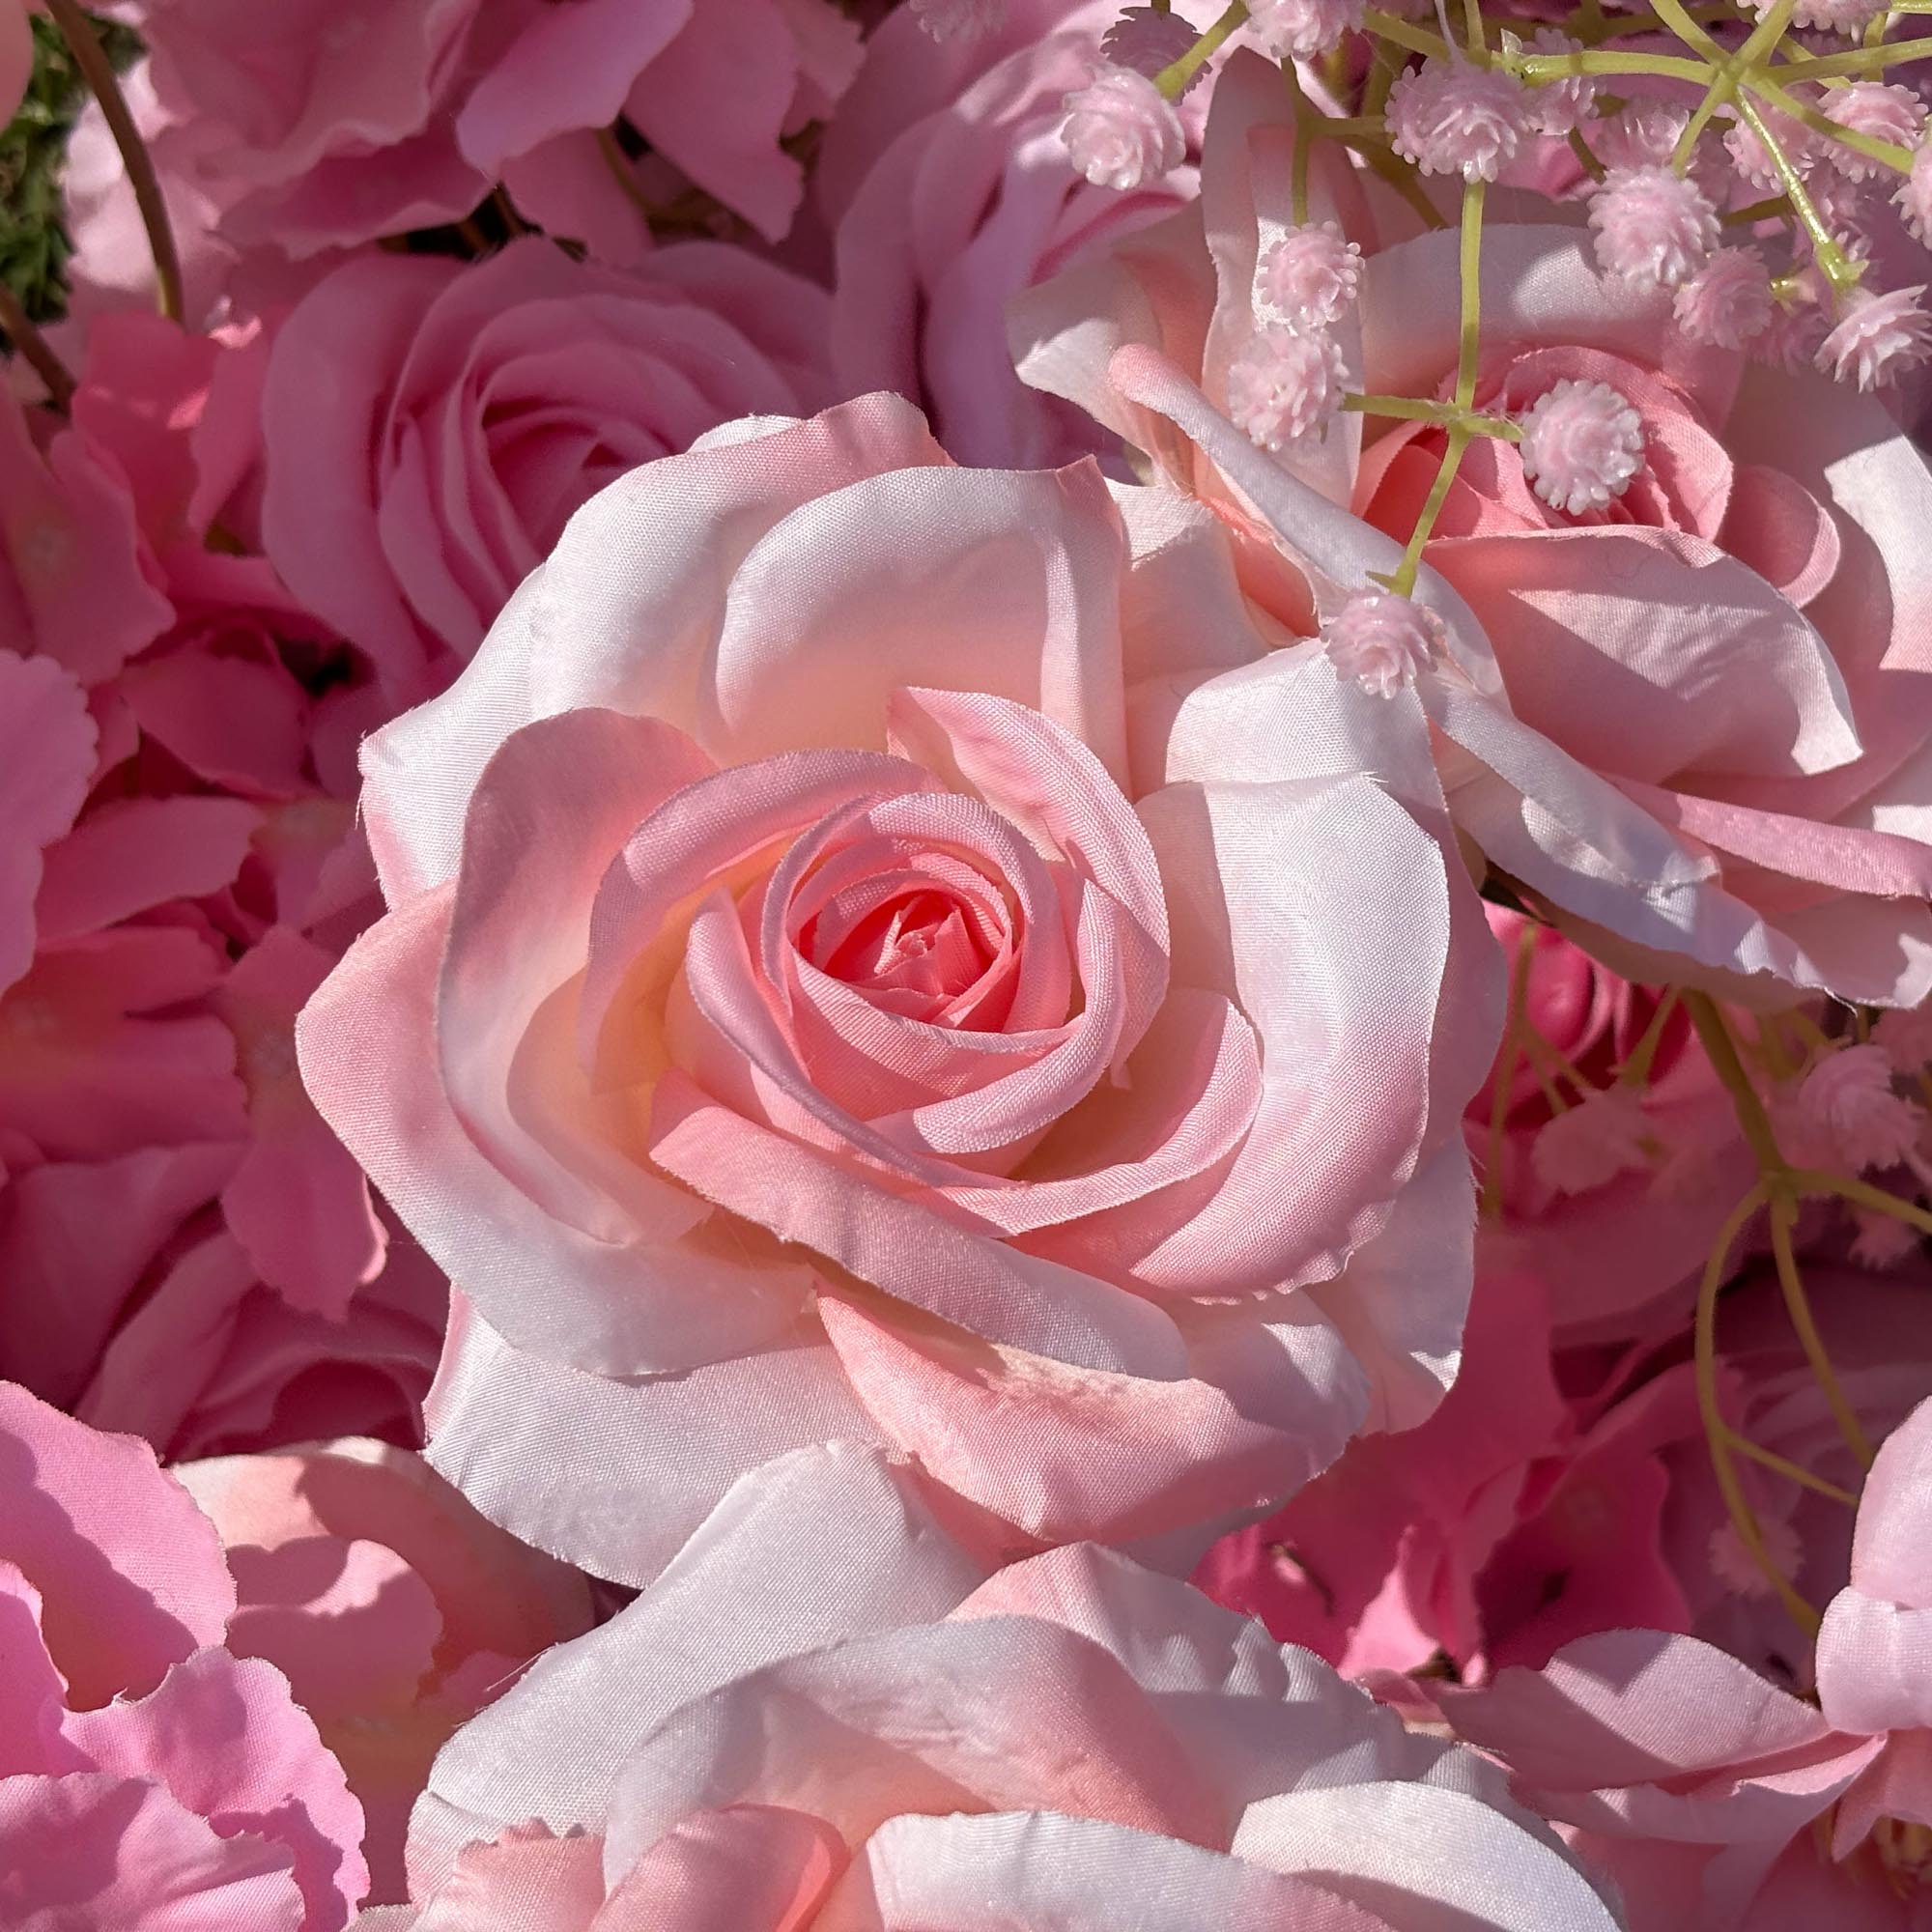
(46, 761)
(129, 857)
(297, 1202)
(225, 1738)
(93, 1849)
(130, 1572)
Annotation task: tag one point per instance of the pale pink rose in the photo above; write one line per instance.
(1077, 1740)
(949, 189)
(537, 117)
(1617, 1255)
(859, 966)
(1745, 798)
(1874, 1670)
(395, 1611)
(455, 415)
(151, 1776)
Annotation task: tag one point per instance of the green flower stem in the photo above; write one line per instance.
(91, 58)
(1172, 80)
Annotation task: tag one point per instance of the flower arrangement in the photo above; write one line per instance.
(965, 965)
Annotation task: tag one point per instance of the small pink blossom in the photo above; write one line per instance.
(958, 19)
(1312, 276)
(1752, 157)
(1582, 445)
(1449, 118)
(1882, 1241)
(1284, 386)
(1846, 1105)
(1652, 225)
(1640, 135)
(1149, 42)
(1885, 111)
(1728, 302)
(1591, 1143)
(1559, 106)
(1383, 641)
(1122, 131)
(1302, 29)
(1878, 337)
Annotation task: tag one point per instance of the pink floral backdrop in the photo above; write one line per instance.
(965, 966)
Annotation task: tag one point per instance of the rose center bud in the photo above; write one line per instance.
(918, 940)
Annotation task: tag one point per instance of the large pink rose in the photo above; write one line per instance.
(1076, 1742)
(860, 964)
(454, 416)
(1699, 727)
(948, 186)
(148, 1775)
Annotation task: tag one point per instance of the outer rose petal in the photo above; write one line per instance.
(494, 1410)
(985, 1874)
(526, 1879)
(549, 1748)
(93, 1850)
(705, 509)
(128, 1570)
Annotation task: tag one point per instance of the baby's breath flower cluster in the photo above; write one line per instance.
(1742, 157)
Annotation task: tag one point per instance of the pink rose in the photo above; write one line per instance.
(393, 1609)
(456, 416)
(321, 124)
(1742, 797)
(947, 184)
(1077, 1740)
(1617, 1231)
(858, 967)
(145, 1768)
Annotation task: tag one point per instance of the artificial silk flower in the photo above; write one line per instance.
(830, 990)
(1683, 703)
(909, 1746)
